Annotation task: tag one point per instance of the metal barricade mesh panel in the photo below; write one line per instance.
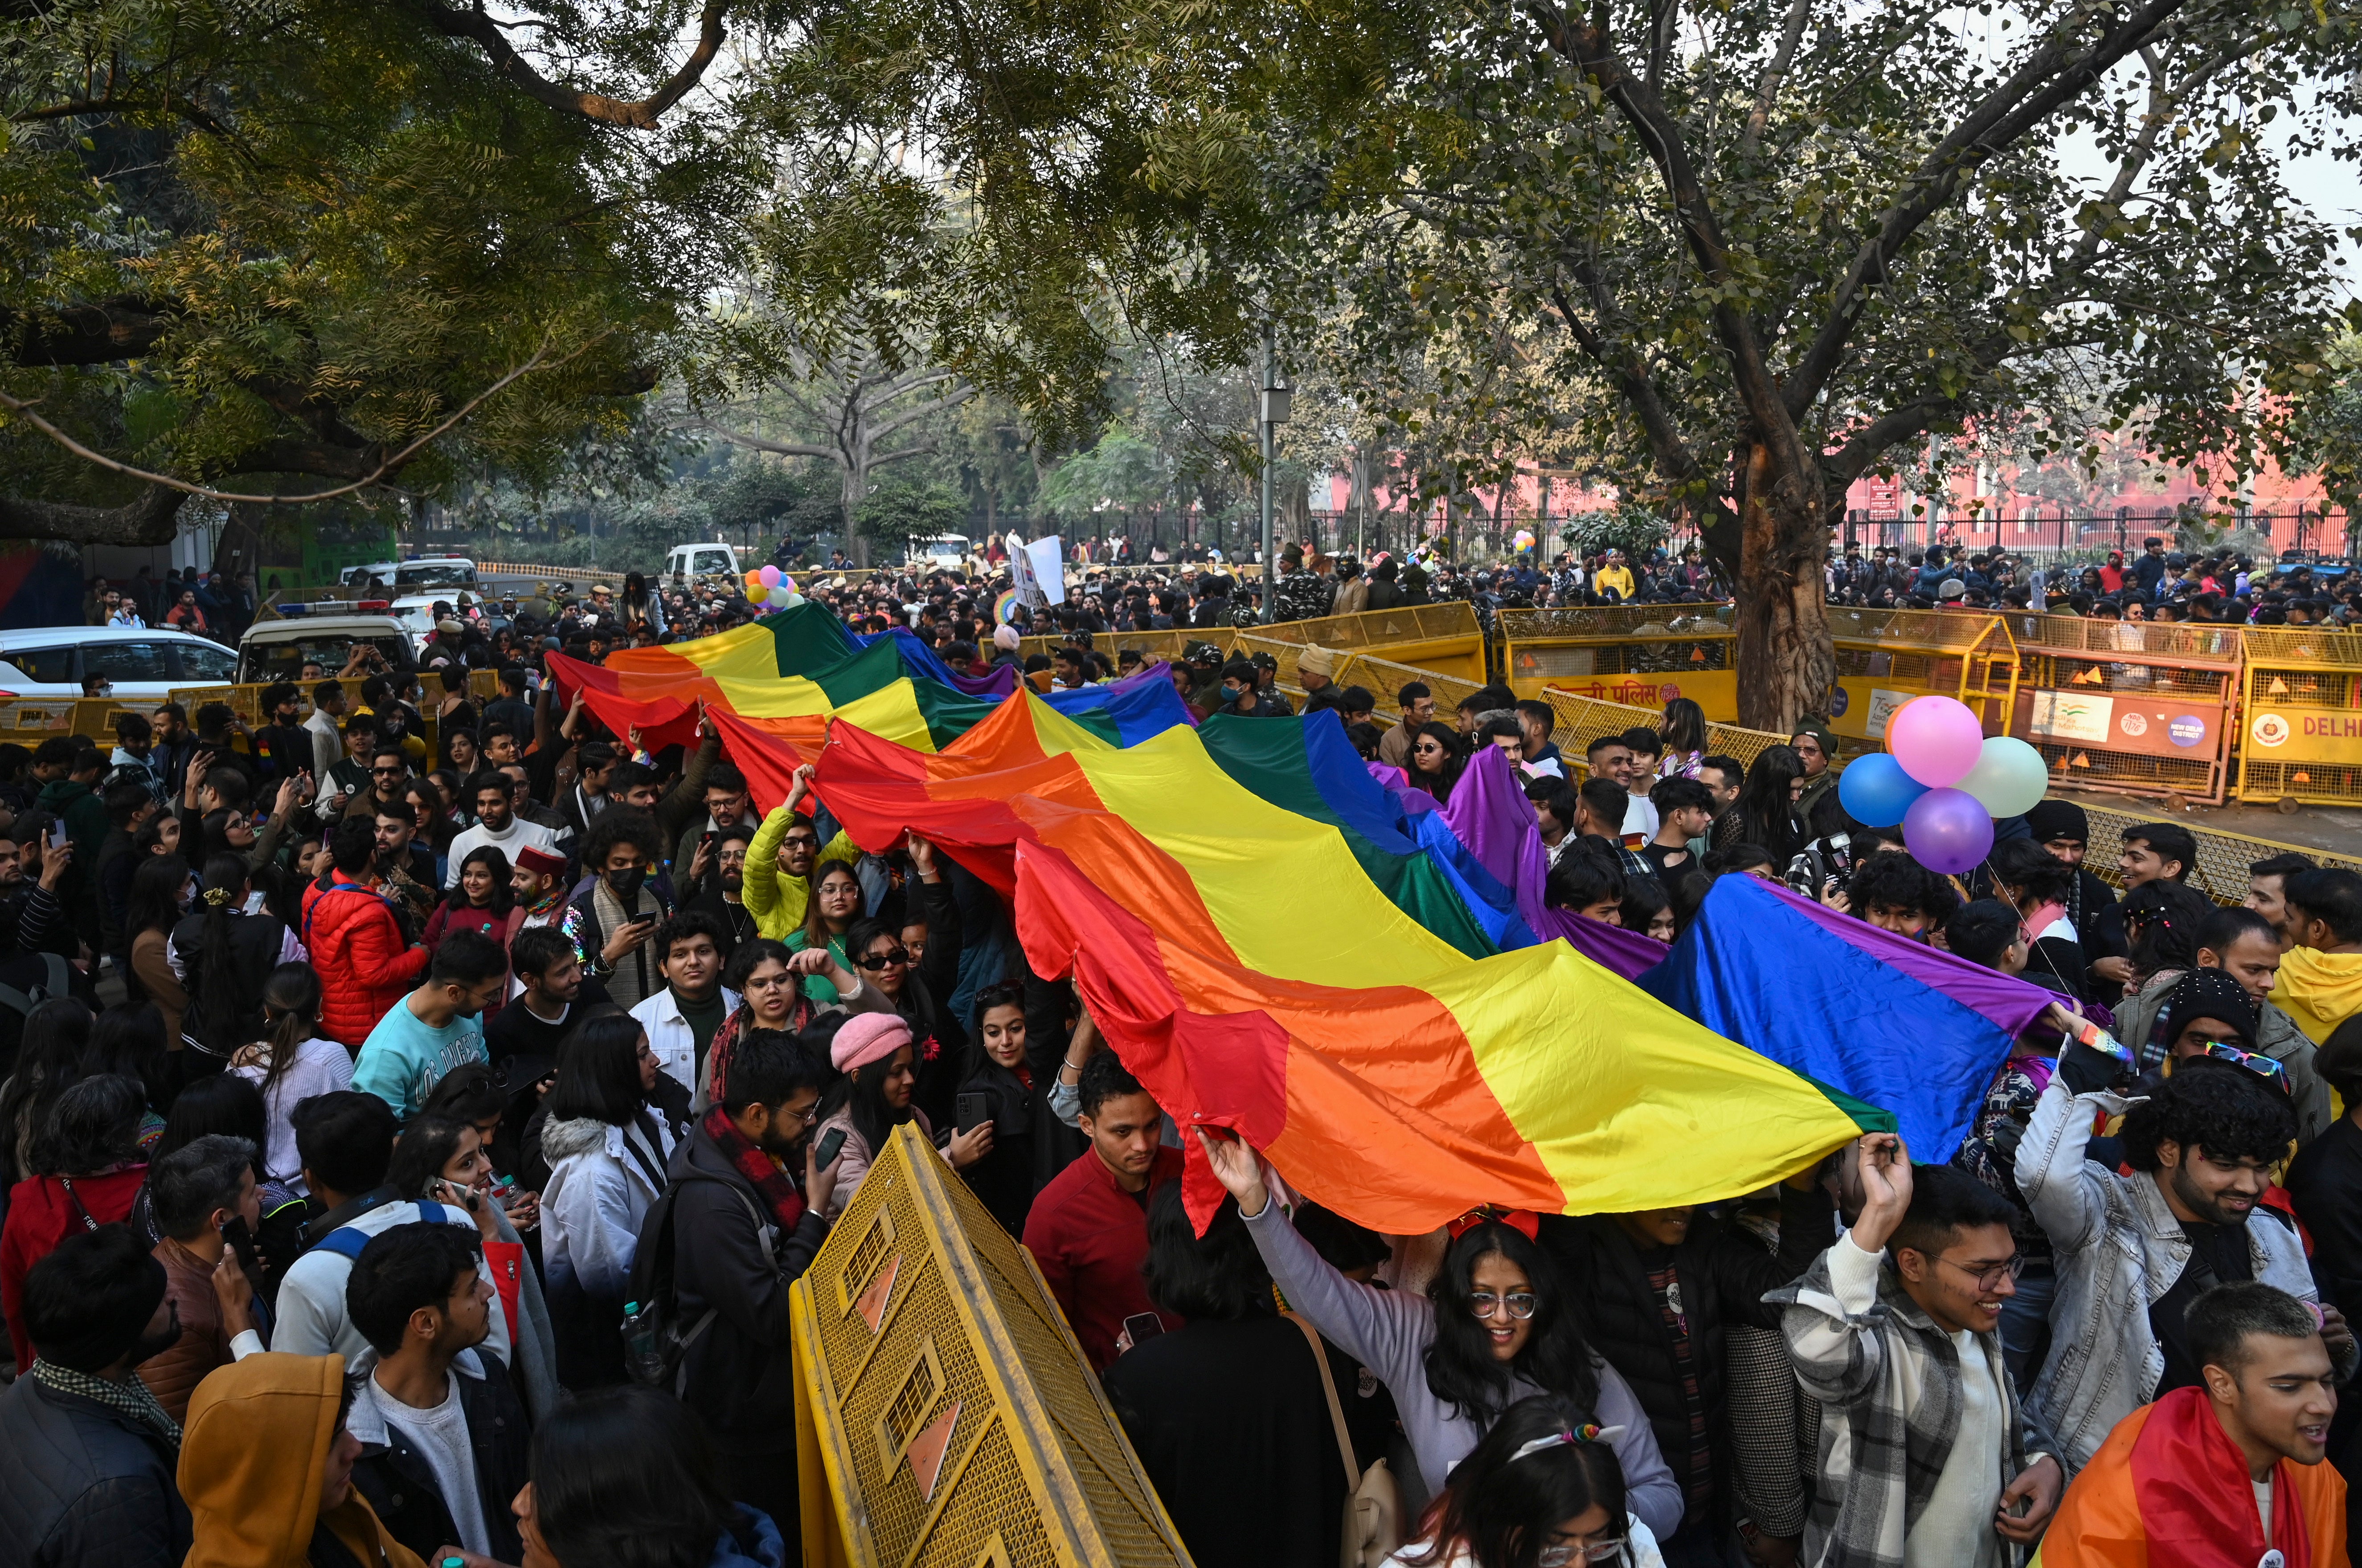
(967, 1340)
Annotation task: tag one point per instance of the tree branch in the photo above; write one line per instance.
(756, 443)
(123, 328)
(150, 520)
(949, 400)
(597, 107)
(1767, 87)
(258, 460)
(1846, 464)
(2055, 72)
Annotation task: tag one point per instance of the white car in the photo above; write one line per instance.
(359, 576)
(278, 650)
(417, 614)
(54, 661)
(947, 552)
(704, 559)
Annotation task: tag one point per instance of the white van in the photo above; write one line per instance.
(704, 559)
(439, 575)
(145, 666)
(359, 576)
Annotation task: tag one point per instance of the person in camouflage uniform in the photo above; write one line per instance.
(1302, 595)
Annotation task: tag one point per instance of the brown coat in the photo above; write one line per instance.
(154, 969)
(202, 1345)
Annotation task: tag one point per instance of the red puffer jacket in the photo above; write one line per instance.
(365, 964)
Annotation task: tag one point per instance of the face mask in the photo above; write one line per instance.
(627, 883)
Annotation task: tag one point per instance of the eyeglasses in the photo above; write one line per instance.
(884, 960)
(1990, 1278)
(1591, 1552)
(1520, 1303)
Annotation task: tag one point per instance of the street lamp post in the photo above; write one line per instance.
(1270, 415)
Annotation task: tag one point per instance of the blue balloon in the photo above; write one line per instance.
(1875, 791)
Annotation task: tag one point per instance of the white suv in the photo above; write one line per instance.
(54, 661)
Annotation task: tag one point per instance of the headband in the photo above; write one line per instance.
(1560, 1439)
(1522, 1221)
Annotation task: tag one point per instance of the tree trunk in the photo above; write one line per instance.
(1786, 663)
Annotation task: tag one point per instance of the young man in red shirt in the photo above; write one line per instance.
(1089, 1228)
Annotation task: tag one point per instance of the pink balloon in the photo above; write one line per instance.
(1948, 832)
(1936, 739)
(770, 575)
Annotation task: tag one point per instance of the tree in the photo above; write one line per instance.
(251, 245)
(861, 413)
(900, 511)
(1748, 252)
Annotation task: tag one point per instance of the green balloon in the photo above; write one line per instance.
(2009, 777)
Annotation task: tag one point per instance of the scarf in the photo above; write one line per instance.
(2197, 1506)
(130, 1396)
(769, 1180)
(800, 1013)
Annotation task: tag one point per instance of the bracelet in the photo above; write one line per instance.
(1063, 1064)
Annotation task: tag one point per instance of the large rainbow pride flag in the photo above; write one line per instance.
(1268, 940)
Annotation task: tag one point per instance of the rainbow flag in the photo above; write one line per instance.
(1248, 970)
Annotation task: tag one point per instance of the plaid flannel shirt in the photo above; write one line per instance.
(1889, 1384)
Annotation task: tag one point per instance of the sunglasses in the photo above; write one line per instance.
(1560, 1556)
(1520, 1303)
(894, 955)
(2254, 1061)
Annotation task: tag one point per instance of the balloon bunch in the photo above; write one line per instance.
(1522, 540)
(772, 589)
(1945, 781)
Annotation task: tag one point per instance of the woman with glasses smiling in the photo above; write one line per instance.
(1492, 1328)
(913, 959)
(1543, 1490)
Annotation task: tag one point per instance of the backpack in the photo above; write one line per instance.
(346, 1241)
(655, 1341)
(57, 980)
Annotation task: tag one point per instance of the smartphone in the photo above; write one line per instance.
(974, 1110)
(1142, 1327)
(831, 1143)
(58, 835)
(241, 1241)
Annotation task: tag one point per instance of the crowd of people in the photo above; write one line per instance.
(417, 1112)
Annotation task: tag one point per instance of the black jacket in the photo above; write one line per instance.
(255, 944)
(400, 1483)
(1723, 1275)
(741, 1371)
(87, 1486)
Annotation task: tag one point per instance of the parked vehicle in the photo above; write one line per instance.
(54, 661)
(278, 650)
(442, 576)
(707, 558)
(946, 552)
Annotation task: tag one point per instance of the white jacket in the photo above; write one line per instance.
(669, 1035)
(598, 1190)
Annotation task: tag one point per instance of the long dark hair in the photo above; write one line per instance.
(1455, 760)
(94, 1126)
(290, 1013)
(428, 1140)
(1500, 1507)
(503, 892)
(217, 999)
(1682, 730)
(128, 1038)
(1220, 1276)
(224, 1103)
(2162, 920)
(599, 1073)
(1461, 1367)
(1762, 809)
(864, 1096)
(440, 829)
(816, 930)
(624, 1478)
(155, 900)
(49, 1059)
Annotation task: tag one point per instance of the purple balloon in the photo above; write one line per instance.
(1948, 832)
(1936, 739)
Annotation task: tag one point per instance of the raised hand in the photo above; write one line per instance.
(1238, 1167)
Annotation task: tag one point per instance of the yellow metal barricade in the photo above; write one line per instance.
(2301, 727)
(1444, 638)
(2223, 857)
(946, 1417)
(1582, 720)
(1635, 654)
(31, 721)
(1886, 657)
(2130, 707)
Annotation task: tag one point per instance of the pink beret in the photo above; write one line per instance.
(868, 1037)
